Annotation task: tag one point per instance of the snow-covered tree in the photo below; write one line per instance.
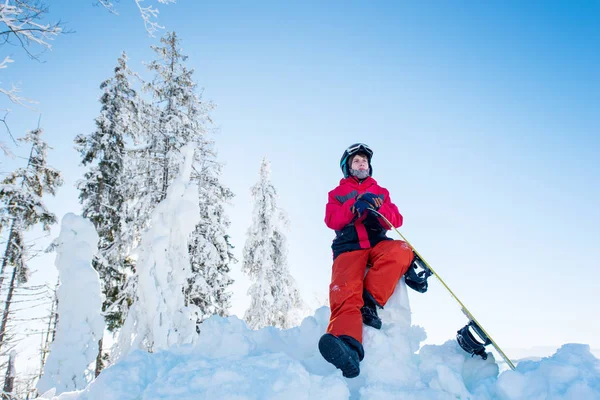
(108, 185)
(210, 250)
(180, 117)
(274, 295)
(81, 324)
(106, 188)
(21, 208)
(159, 317)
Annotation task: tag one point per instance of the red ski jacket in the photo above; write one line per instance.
(351, 232)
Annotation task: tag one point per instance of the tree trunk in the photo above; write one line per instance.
(46, 341)
(99, 364)
(6, 253)
(9, 380)
(165, 183)
(11, 291)
(167, 138)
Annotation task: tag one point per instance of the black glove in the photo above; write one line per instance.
(370, 198)
(361, 206)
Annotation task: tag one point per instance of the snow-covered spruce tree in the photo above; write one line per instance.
(159, 318)
(210, 250)
(274, 295)
(80, 324)
(106, 187)
(22, 207)
(182, 117)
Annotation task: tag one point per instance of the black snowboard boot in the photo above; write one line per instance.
(344, 352)
(369, 311)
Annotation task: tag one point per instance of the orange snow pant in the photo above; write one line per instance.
(389, 260)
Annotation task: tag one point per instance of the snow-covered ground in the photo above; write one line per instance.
(231, 361)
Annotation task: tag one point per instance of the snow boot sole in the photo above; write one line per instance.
(340, 354)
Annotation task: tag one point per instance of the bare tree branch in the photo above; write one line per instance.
(149, 14)
(21, 17)
(20, 25)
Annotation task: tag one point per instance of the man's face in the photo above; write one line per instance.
(360, 162)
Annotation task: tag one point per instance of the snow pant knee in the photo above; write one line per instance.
(389, 259)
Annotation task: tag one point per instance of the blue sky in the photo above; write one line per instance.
(483, 118)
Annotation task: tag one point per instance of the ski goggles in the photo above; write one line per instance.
(359, 146)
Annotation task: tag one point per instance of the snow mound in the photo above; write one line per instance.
(230, 361)
(572, 373)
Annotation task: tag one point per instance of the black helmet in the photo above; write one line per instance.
(352, 150)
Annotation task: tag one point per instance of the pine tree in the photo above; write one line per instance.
(21, 195)
(210, 250)
(183, 118)
(274, 296)
(176, 118)
(107, 187)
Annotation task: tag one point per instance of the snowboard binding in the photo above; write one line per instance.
(469, 343)
(417, 280)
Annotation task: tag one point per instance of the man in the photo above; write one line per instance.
(360, 241)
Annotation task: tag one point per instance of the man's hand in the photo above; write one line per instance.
(361, 206)
(374, 200)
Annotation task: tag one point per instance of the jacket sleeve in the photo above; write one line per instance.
(390, 211)
(338, 215)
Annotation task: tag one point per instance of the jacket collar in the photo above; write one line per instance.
(355, 183)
